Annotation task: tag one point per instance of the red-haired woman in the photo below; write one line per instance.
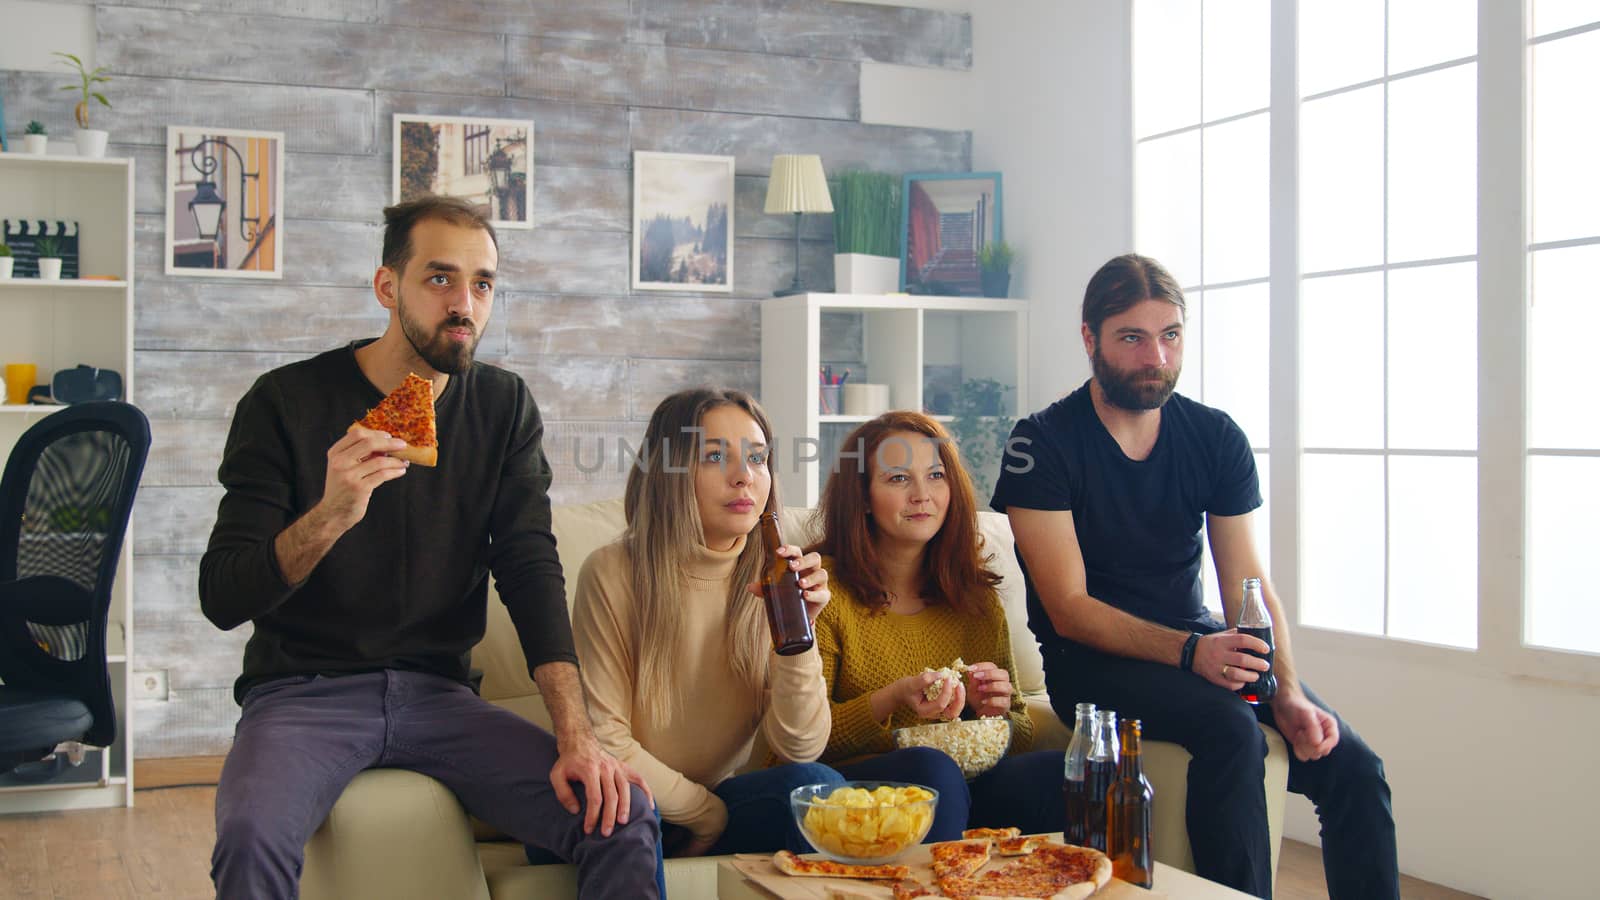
(912, 590)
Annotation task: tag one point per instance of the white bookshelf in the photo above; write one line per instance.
(901, 338)
(57, 325)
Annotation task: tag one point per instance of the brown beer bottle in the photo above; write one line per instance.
(1128, 808)
(786, 609)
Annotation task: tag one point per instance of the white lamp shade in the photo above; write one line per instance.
(797, 185)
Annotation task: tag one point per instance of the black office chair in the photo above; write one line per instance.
(64, 503)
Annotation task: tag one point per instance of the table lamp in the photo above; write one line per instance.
(797, 186)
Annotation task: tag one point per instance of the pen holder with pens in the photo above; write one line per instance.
(828, 399)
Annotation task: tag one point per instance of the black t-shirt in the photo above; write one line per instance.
(1139, 523)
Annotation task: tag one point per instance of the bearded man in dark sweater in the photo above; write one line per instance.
(367, 596)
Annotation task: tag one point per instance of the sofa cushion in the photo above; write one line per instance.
(998, 542)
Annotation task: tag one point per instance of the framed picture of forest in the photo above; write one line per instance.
(682, 222)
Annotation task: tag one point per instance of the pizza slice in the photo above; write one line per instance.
(1020, 846)
(790, 864)
(958, 859)
(990, 834)
(407, 413)
(1053, 872)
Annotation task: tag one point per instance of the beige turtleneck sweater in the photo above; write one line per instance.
(710, 734)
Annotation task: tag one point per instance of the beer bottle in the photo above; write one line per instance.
(1128, 808)
(1099, 772)
(786, 609)
(1255, 621)
(1077, 761)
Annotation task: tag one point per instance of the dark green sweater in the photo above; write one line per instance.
(406, 588)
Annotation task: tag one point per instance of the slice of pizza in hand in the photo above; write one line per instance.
(407, 414)
(790, 864)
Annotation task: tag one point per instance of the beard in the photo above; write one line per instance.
(1132, 390)
(438, 350)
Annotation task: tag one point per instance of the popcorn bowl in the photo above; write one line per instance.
(975, 744)
(863, 822)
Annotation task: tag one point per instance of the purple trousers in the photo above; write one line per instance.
(301, 739)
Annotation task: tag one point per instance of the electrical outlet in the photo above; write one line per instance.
(150, 685)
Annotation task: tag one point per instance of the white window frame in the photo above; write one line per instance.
(1502, 262)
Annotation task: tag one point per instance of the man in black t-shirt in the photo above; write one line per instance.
(1109, 491)
(366, 581)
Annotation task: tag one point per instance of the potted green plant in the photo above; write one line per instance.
(866, 232)
(34, 140)
(981, 428)
(994, 268)
(6, 261)
(91, 141)
(49, 258)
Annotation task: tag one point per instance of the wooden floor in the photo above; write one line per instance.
(162, 849)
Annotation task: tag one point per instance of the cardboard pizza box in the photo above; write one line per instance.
(759, 869)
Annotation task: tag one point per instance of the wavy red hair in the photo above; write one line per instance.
(954, 568)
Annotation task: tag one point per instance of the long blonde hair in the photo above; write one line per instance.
(663, 530)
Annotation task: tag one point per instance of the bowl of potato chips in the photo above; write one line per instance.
(864, 822)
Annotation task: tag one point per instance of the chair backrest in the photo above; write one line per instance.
(65, 499)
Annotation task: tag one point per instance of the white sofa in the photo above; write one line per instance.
(399, 835)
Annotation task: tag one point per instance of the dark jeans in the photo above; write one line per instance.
(300, 741)
(759, 817)
(1023, 790)
(1227, 808)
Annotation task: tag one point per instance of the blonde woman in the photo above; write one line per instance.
(675, 649)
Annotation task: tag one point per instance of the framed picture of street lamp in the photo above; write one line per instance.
(224, 202)
(682, 222)
(487, 162)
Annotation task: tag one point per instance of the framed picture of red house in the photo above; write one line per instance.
(488, 162)
(224, 202)
(948, 218)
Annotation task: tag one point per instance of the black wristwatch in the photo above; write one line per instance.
(1186, 658)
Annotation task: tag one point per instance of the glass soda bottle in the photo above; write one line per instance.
(786, 609)
(1099, 772)
(1128, 810)
(1077, 763)
(1255, 621)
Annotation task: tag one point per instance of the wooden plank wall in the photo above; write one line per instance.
(600, 79)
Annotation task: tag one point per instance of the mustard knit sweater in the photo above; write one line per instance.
(864, 650)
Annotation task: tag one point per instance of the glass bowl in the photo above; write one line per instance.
(975, 744)
(863, 822)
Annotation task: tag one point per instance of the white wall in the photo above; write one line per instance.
(35, 28)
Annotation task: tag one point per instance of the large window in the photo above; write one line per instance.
(1388, 318)
(1389, 283)
(1563, 475)
(1201, 79)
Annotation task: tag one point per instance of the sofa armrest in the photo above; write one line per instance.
(394, 834)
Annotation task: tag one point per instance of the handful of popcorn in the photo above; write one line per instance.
(858, 823)
(953, 671)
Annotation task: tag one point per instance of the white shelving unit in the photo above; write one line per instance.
(56, 325)
(908, 342)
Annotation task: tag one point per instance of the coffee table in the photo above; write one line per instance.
(1173, 883)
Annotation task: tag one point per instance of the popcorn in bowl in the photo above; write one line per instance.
(975, 744)
(863, 822)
